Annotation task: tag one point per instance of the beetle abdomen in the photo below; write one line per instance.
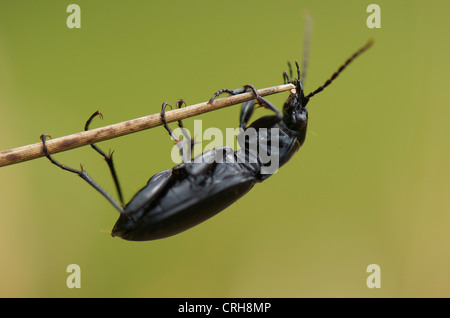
(183, 205)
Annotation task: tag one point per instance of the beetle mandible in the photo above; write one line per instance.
(177, 199)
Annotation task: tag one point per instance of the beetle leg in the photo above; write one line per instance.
(247, 108)
(286, 78)
(82, 173)
(290, 70)
(246, 112)
(263, 122)
(180, 103)
(163, 120)
(181, 144)
(201, 164)
(228, 91)
(190, 141)
(263, 102)
(108, 158)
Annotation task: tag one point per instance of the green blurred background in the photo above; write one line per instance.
(369, 186)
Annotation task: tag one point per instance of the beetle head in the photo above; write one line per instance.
(295, 114)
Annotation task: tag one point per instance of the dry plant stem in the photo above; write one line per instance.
(33, 151)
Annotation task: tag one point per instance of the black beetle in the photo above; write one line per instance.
(177, 199)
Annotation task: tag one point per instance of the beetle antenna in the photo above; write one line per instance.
(343, 66)
(306, 44)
